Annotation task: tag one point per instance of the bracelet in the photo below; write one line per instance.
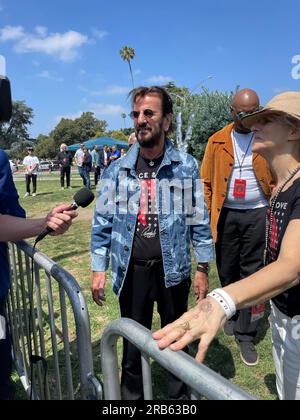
(202, 268)
(225, 301)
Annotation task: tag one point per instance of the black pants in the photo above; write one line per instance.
(96, 174)
(142, 287)
(65, 171)
(5, 360)
(239, 252)
(28, 181)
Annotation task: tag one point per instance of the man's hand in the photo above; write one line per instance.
(60, 219)
(200, 285)
(98, 287)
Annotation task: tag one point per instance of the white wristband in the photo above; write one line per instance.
(225, 301)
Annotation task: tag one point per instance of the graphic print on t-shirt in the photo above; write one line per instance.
(147, 218)
(286, 210)
(146, 241)
(276, 228)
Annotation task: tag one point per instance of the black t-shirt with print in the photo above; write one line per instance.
(146, 244)
(287, 208)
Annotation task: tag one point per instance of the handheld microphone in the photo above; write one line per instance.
(82, 198)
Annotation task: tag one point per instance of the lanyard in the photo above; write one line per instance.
(240, 164)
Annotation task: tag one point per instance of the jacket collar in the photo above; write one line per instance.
(224, 137)
(171, 155)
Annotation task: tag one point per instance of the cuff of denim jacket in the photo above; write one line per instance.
(205, 253)
(99, 263)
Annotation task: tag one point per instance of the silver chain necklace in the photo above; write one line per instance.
(269, 220)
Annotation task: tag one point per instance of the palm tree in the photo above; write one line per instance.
(127, 54)
(123, 115)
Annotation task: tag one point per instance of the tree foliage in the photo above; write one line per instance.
(128, 54)
(212, 112)
(85, 127)
(211, 109)
(68, 131)
(118, 135)
(16, 131)
(46, 147)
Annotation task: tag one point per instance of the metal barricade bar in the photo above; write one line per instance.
(200, 378)
(18, 307)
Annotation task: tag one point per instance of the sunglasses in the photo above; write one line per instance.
(243, 114)
(148, 113)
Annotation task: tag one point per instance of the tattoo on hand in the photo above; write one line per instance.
(205, 307)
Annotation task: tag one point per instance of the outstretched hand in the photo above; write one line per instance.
(202, 322)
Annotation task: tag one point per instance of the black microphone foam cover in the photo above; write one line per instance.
(5, 100)
(83, 197)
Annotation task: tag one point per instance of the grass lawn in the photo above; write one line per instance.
(72, 252)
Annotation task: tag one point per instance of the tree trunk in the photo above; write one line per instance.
(131, 73)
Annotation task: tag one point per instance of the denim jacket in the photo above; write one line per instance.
(116, 212)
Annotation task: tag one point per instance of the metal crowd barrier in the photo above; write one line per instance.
(202, 380)
(59, 332)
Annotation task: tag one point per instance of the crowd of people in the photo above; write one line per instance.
(242, 207)
(95, 161)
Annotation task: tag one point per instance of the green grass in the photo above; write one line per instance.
(71, 251)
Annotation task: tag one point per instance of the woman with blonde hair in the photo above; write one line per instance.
(64, 158)
(277, 138)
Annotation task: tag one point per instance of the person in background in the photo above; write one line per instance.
(31, 163)
(123, 152)
(96, 163)
(103, 159)
(115, 154)
(277, 138)
(108, 151)
(131, 140)
(14, 227)
(237, 186)
(64, 159)
(79, 157)
(87, 167)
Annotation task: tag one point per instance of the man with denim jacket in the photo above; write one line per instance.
(149, 210)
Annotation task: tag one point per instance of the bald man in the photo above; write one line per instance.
(237, 186)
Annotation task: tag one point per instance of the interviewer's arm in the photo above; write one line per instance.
(15, 228)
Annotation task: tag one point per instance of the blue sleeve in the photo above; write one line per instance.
(200, 229)
(103, 222)
(9, 198)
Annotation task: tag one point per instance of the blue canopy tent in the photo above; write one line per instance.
(100, 141)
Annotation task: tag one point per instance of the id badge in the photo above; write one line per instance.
(257, 312)
(240, 188)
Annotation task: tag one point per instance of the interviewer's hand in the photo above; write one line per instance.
(60, 219)
(203, 321)
(98, 287)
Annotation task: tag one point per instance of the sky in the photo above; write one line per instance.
(62, 57)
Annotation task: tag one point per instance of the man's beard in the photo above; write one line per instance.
(152, 141)
(240, 128)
